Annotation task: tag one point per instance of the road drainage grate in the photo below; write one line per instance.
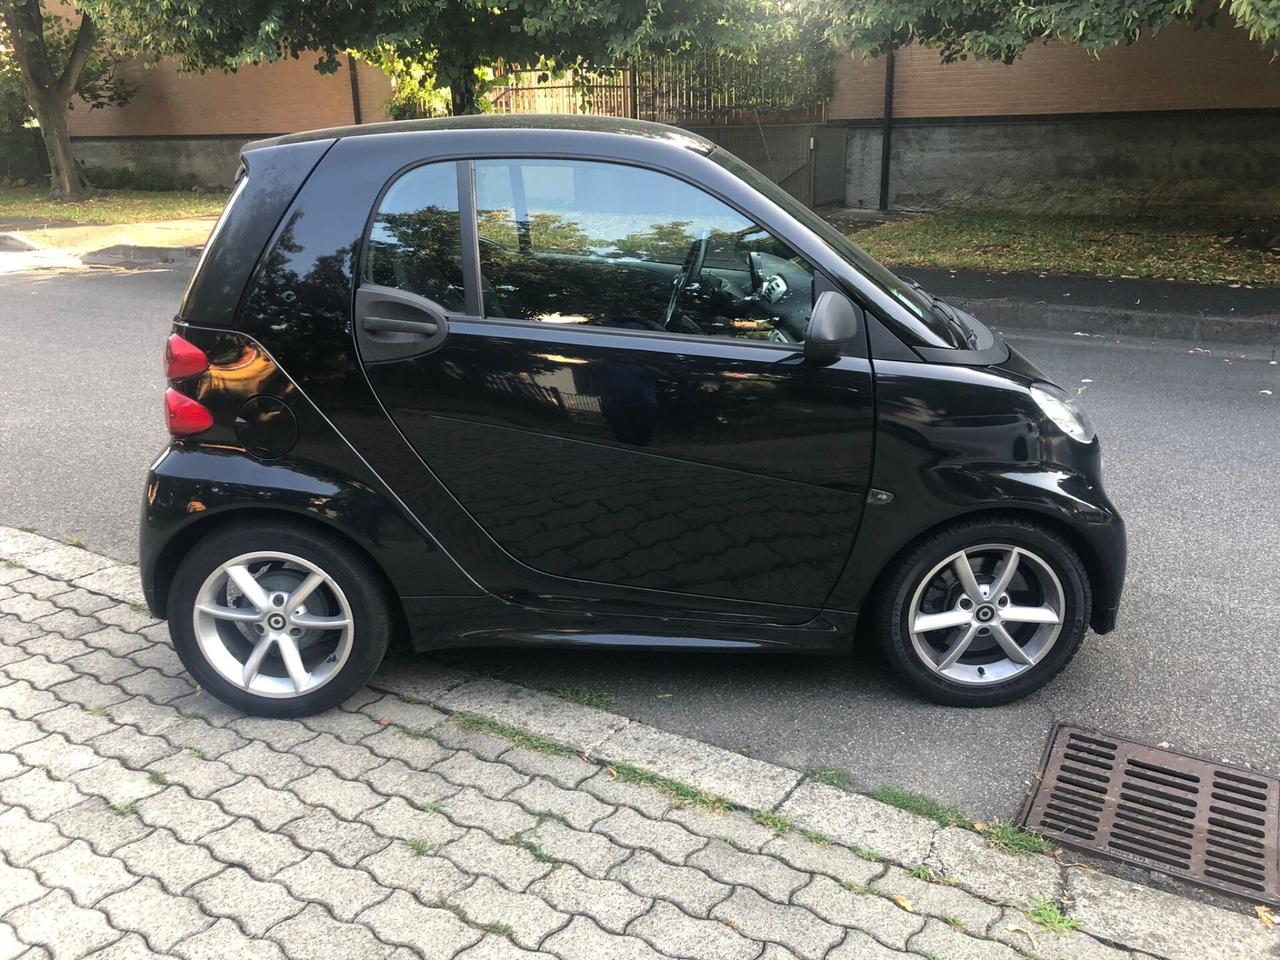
(1214, 824)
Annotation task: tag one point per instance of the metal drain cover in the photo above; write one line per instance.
(1207, 822)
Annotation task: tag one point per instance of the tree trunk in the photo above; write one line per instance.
(463, 96)
(49, 91)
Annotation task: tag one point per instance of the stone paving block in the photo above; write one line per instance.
(120, 581)
(41, 672)
(395, 779)
(495, 780)
(126, 616)
(25, 701)
(487, 746)
(593, 854)
(1013, 928)
(577, 808)
(796, 929)
(114, 640)
(668, 840)
(77, 724)
(830, 859)
(607, 902)
(199, 776)
(764, 874)
(91, 694)
(10, 571)
(400, 821)
(14, 631)
(26, 607)
(888, 921)
(274, 768)
(689, 888)
(858, 945)
(347, 798)
(429, 931)
(940, 900)
(39, 586)
(82, 873)
(100, 826)
(529, 918)
(860, 821)
(346, 841)
(16, 544)
(23, 839)
(314, 935)
(56, 647)
(57, 755)
(501, 818)
(256, 905)
(81, 601)
(129, 947)
(416, 677)
(279, 735)
(583, 939)
(39, 794)
(416, 752)
(938, 939)
(160, 657)
(160, 917)
(188, 818)
(115, 783)
(250, 797)
(393, 709)
(225, 941)
(131, 748)
(145, 716)
(732, 825)
(12, 654)
(15, 732)
(56, 922)
(345, 759)
(623, 794)
(965, 857)
(344, 891)
(18, 886)
(177, 865)
(156, 686)
(494, 947)
(430, 879)
(476, 853)
(101, 664)
(1163, 924)
(198, 734)
(243, 843)
(562, 720)
(64, 562)
(11, 766)
(69, 624)
(347, 726)
(567, 772)
(679, 935)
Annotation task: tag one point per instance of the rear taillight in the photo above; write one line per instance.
(184, 415)
(182, 358)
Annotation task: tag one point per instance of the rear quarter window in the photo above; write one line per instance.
(414, 241)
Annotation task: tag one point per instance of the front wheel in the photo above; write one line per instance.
(984, 612)
(277, 619)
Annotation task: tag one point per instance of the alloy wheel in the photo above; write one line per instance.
(273, 624)
(986, 614)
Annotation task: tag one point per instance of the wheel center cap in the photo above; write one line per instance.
(276, 621)
(985, 613)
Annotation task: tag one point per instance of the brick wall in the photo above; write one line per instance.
(1178, 69)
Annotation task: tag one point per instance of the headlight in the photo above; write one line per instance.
(1064, 411)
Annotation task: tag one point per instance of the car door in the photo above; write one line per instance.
(614, 440)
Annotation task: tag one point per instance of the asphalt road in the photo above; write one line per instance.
(1192, 454)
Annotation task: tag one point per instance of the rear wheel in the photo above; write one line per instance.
(984, 612)
(278, 619)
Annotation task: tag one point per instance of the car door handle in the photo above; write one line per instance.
(423, 328)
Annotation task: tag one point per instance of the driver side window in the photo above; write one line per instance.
(604, 244)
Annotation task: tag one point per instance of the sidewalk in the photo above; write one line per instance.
(148, 243)
(441, 815)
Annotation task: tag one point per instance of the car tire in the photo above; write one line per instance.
(332, 662)
(915, 588)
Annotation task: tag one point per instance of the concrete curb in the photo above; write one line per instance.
(130, 253)
(1037, 316)
(1115, 916)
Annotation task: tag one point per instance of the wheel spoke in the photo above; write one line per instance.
(249, 586)
(1030, 615)
(1005, 575)
(219, 612)
(957, 649)
(293, 663)
(964, 571)
(319, 623)
(303, 590)
(1009, 645)
(924, 622)
(256, 656)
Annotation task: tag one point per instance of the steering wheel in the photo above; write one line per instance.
(692, 268)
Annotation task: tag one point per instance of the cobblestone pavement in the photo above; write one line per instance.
(441, 815)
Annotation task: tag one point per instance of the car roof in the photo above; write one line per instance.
(542, 125)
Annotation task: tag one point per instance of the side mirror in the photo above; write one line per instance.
(836, 320)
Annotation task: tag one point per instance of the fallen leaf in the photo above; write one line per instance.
(1086, 380)
(1265, 393)
(904, 903)
(1268, 918)
(665, 696)
(385, 722)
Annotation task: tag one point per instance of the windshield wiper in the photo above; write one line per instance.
(947, 312)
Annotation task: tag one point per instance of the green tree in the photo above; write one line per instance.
(1002, 29)
(45, 62)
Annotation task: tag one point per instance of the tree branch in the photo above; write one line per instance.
(85, 37)
(26, 33)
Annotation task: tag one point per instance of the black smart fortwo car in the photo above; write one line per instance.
(591, 382)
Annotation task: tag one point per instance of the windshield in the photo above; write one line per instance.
(934, 324)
